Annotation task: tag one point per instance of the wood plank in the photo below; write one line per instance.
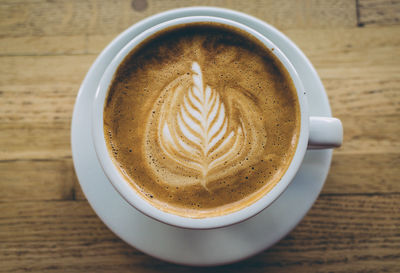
(37, 104)
(363, 173)
(43, 45)
(28, 180)
(35, 141)
(290, 14)
(96, 43)
(370, 134)
(361, 89)
(104, 17)
(316, 43)
(367, 46)
(359, 67)
(340, 233)
(43, 70)
(383, 12)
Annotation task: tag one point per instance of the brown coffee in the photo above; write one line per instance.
(202, 120)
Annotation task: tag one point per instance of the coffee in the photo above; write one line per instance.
(202, 120)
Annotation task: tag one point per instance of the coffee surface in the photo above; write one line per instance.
(202, 120)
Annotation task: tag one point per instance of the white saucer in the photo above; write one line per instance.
(198, 247)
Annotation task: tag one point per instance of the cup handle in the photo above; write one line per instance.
(325, 133)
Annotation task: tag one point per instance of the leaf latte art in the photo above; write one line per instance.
(199, 138)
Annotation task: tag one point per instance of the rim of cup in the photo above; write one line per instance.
(129, 193)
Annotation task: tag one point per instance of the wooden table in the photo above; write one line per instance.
(46, 48)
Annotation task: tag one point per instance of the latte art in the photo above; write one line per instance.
(201, 119)
(197, 136)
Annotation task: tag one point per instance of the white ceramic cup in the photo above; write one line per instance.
(315, 132)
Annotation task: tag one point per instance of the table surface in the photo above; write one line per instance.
(46, 48)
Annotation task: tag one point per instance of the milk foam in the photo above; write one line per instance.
(201, 136)
(196, 133)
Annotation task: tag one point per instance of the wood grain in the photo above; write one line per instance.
(340, 233)
(43, 70)
(43, 45)
(383, 12)
(38, 141)
(368, 174)
(370, 134)
(43, 18)
(46, 48)
(23, 103)
(20, 180)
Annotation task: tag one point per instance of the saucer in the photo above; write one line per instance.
(198, 247)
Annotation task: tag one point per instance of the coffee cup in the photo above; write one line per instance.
(312, 133)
